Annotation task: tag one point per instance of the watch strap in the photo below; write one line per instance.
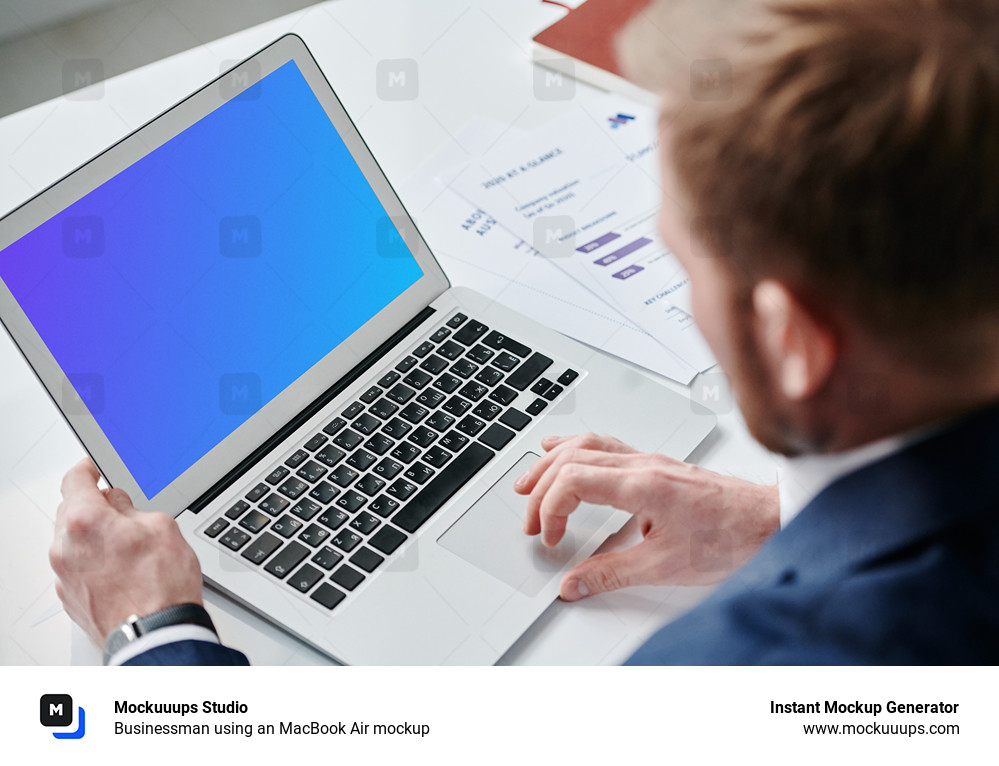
(134, 626)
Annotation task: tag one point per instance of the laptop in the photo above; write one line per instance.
(239, 320)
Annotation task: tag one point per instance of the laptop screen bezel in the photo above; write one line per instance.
(241, 442)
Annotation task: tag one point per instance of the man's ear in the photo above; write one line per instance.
(800, 347)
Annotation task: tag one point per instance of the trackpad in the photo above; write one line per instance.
(490, 535)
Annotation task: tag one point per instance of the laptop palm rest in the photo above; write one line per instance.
(490, 536)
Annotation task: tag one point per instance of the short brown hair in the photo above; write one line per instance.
(850, 147)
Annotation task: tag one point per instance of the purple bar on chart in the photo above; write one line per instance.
(628, 249)
(589, 247)
(628, 272)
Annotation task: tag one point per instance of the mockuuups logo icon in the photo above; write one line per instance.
(56, 711)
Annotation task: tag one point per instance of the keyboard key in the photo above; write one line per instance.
(311, 471)
(541, 386)
(447, 383)
(327, 595)
(343, 476)
(453, 441)
(535, 407)
(362, 460)
(414, 413)
(464, 368)
(287, 559)
(423, 436)
(450, 350)
(528, 371)
(313, 535)
(330, 455)
(346, 540)
(274, 504)
(384, 506)
(387, 539)
(470, 425)
(333, 519)
(423, 349)
(401, 489)
(456, 321)
(371, 394)
(315, 442)
(440, 335)
(480, 354)
(293, 488)
(401, 393)
(419, 473)
(296, 459)
(327, 558)
(515, 419)
(417, 379)
(305, 578)
(406, 364)
(384, 409)
(436, 456)
(388, 468)
(506, 362)
(389, 378)
(379, 444)
(366, 424)
(499, 341)
(441, 421)
(286, 526)
(216, 528)
(567, 377)
(497, 436)
(489, 376)
(431, 399)
(257, 492)
(353, 410)
(366, 559)
(275, 476)
(370, 485)
(437, 492)
(433, 364)
(347, 577)
(254, 521)
(503, 394)
(487, 410)
(306, 509)
(470, 333)
(351, 501)
(457, 406)
(473, 391)
(324, 492)
(348, 439)
(261, 548)
(237, 509)
(234, 538)
(364, 523)
(397, 427)
(334, 426)
(407, 453)
(552, 393)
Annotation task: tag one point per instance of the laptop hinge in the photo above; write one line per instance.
(299, 420)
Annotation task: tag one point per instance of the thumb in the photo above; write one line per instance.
(609, 571)
(119, 500)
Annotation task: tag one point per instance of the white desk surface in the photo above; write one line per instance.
(474, 59)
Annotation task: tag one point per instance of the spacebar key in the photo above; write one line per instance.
(425, 503)
(528, 371)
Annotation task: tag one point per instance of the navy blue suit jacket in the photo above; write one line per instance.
(896, 563)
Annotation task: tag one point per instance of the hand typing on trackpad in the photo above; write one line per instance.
(490, 536)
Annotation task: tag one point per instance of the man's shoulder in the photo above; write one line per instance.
(189, 653)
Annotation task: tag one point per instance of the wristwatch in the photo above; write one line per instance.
(135, 626)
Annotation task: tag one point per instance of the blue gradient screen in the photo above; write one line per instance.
(186, 292)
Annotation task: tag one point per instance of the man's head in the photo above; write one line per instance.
(831, 184)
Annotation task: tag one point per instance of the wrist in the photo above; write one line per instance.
(136, 626)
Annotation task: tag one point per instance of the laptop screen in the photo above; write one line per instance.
(186, 292)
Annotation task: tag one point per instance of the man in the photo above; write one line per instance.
(832, 188)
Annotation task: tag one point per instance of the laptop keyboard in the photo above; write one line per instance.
(350, 495)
